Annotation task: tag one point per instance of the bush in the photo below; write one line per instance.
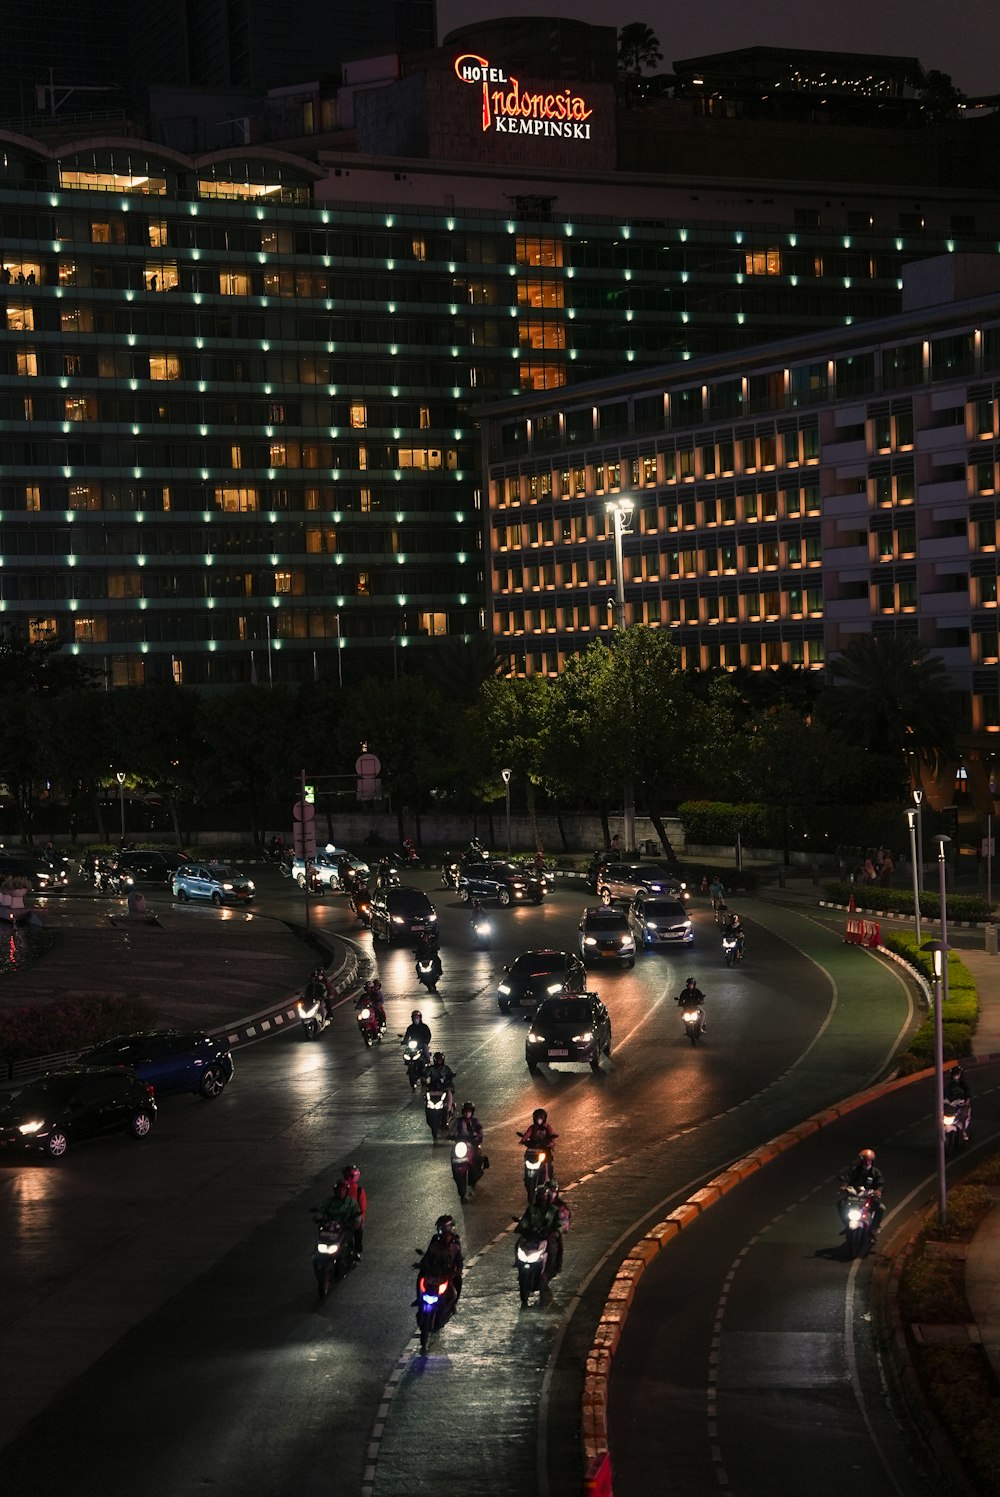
(967, 1205)
(900, 901)
(75, 1024)
(933, 1290)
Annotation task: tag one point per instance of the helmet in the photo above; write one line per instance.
(468, 1107)
(957, 1073)
(444, 1224)
(690, 983)
(438, 1058)
(376, 984)
(351, 1172)
(340, 1188)
(867, 1154)
(416, 1017)
(539, 1115)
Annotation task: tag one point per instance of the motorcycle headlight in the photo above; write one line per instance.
(535, 1039)
(531, 1255)
(365, 1013)
(504, 988)
(461, 1149)
(327, 1247)
(32, 1127)
(690, 1016)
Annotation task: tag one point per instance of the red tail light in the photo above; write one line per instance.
(150, 1089)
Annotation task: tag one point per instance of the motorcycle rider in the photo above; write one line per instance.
(344, 1209)
(318, 986)
(734, 927)
(538, 1135)
(717, 892)
(956, 1087)
(439, 1076)
(690, 995)
(541, 1219)
(864, 1174)
(468, 1126)
(419, 1031)
(427, 952)
(443, 1257)
(371, 997)
(352, 1177)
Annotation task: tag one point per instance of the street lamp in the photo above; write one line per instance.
(942, 841)
(918, 796)
(505, 776)
(939, 956)
(120, 777)
(621, 512)
(911, 819)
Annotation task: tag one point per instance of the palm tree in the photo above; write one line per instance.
(895, 697)
(638, 47)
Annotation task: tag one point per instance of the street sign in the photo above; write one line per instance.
(303, 811)
(368, 767)
(304, 829)
(989, 847)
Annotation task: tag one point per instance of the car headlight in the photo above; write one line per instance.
(535, 1039)
(628, 944)
(31, 1127)
(686, 925)
(228, 888)
(431, 918)
(590, 940)
(398, 920)
(650, 924)
(250, 883)
(504, 988)
(584, 1038)
(683, 887)
(656, 888)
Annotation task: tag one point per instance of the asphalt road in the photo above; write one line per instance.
(157, 1300)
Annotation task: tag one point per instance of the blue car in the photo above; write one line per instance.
(169, 1060)
(212, 881)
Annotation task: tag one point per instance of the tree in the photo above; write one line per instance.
(511, 727)
(941, 99)
(895, 697)
(638, 47)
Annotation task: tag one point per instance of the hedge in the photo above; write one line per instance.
(900, 901)
(75, 1024)
(810, 828)
(959, 1014)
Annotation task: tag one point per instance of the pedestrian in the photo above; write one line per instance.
(868, 869)
(74, 826)
(887, 870)
(616, 844)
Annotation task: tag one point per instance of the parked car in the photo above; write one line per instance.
(401, 913)
(657, 920)
(574, 1027)
(623, 881)
(605, 935)
(66, 1107)
(152, 867)
(169, 1060)
(535, 975)
(500, 881)
(38, 874)
(212, 881)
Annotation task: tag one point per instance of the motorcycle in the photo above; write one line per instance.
(476, 853)
(694, 1023)
(109, 879)
(532, 1258)
(482, 930)
(370, 1026)
(732, 948)
(721, 913)
(857, 1212)
(467, 1166)
(450, 875)
(436, 1301)
(429, 970)
(312, 1011)
(333, 1255)
(409, 853)
(361, 904)
(537, 1170)
(439, 1109)
(415, 1060)
(956, 1120)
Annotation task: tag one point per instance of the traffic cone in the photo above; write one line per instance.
(851, 905)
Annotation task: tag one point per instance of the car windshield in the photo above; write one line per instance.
(538, 964)
(667, 909)
(219, 872)
(564, 1011)
(607, 920)
(41, 1093)
(409, 901)
(658, 871)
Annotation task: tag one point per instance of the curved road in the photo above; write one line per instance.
(158, 1302)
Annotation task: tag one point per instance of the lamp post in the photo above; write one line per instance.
(918, 796)
(939, 957)
(943, 841)
(621, 512)
(505, 776)
(120, 777)
(911, 818)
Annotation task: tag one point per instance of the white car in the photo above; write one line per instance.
(326, 862)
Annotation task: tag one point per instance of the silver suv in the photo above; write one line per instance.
(623, 881)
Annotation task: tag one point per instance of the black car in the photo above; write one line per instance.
(37, 873)
(605, 935)
(401, 914)
(573, 1027)
(66, 1107)
(539, 974)
(169, 1060)
(151, 867)
(502, 882)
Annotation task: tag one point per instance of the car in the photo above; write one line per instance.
(535, 975)
(658, 920)
(571, 1027)
(401, 913)
(326, 862)
(38, 874)
(605, 935)
(212, 881)
(148, 866)
(65, 1107)
(500, 881)
(623, 881)
(169, 1060)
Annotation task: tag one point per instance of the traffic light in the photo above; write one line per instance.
(309, 794)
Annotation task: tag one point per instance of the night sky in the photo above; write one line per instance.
(962, 38)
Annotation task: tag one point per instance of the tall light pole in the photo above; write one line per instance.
(621, 512)
(918, 796)
(120, 777)
(939, 957)
(911, 818)
(505, 776)
(942, 842)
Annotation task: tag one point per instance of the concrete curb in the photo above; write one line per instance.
(274, 1018)
(908, 919)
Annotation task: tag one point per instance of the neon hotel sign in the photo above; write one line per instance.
(510, 110)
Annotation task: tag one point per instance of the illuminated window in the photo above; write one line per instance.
(164, 366)
(157, 233)
(80, 408)
(32, 496)
(90, 631)
(104, 231)
(85, 496)
(321, 539)
(279, 454)
(177, 670)
(237, 501)
(425, 417)
(128, 670)
(363, 584)
(27, 361)
(541, 294)
(433, 623)
(124, 584)
(20, 272)
(531, 251)
(359, 413)
(234, 283)
(20, 319)
(763, 262)
(41, 630)
(419, 248)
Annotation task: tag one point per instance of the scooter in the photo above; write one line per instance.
(429, 970)
(732, 948)
(537, 1170)
(312, 1012)
(531, 1255)
(370, 1026)
(450, 875)
(333, 1255)
(482, 930)
(956, 1120)
(467, 1165)
(361, 904)
(415, 1060)
(439, 1109)
(109, 879)
(436, 1301)
(857, 1211)
(694, 1023)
